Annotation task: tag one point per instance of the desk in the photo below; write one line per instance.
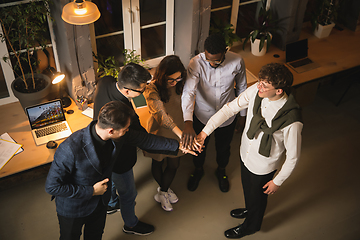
(15, 122)
(340, 51)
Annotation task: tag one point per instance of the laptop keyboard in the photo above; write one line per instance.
(300, 63)
(51, 129)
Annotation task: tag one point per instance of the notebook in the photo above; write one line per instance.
(297, 57)
(47, 122)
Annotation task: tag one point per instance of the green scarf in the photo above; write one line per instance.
(288, 114)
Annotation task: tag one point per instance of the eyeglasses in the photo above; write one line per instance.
(263, 86)
(134, 90)
(170, 80)
(216, 62)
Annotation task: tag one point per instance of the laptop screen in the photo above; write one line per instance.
(296, 50)
(45, 114)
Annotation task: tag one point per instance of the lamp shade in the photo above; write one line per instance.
(58, 77)
(80, 12)
(54, 75)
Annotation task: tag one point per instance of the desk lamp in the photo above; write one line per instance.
(56, 77)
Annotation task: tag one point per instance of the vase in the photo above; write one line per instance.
(30, 99)
(255, 48)
(322, 31)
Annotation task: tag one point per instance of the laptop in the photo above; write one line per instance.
(297, 57)
(47, 122)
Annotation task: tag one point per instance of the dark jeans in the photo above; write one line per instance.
(223, 137)
(125, 186)
(70, 228)
(255, 198)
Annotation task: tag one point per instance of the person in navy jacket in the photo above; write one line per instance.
(80, 175)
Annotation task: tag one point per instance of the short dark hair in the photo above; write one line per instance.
(277, 75)
(132, 76)
(215, 43)
(114, 114)
(168, 66)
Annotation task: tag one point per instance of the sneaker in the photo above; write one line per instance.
(195, 179)
(163, 198)
(111, 210)
(171, 195)
(140, 228)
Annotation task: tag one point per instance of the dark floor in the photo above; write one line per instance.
(319, 201)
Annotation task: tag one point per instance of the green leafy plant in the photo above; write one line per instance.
(264, 25)
(324, 12)
(108, 66)
(131, 56)
(24, 30)
(226, 29)
(111, 67)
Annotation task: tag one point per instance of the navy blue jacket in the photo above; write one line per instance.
(76, 168)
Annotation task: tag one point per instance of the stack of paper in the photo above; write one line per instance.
(8, 148)
(88, 112)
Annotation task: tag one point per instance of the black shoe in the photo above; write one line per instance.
(195, 179)
(223, 180)
(239, 213)
(141, 228)
(238, 232)
(111, 210)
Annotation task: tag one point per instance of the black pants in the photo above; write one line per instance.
(255, 198)
(223, 137)
(70, 228)
(164, 177)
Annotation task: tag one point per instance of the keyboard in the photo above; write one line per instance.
(50, 130)
(300, 63)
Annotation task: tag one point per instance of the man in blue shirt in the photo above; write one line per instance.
(210, 83)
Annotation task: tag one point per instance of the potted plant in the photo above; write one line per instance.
(24, 30)
(323, 18)
(226, 29)
(111, 67)
(261, 35)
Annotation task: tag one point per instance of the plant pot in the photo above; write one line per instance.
(33, 98)
(255, 48)
(322, 31)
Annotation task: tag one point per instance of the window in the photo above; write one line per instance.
(142, 25)
(235, 12)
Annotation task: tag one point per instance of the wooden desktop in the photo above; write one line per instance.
(338, 52)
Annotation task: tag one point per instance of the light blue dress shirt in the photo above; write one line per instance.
(207, 89)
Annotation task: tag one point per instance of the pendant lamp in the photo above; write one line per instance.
(80, 12)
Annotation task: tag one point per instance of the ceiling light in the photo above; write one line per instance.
(80, 12)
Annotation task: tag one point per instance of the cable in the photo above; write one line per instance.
(77, 56)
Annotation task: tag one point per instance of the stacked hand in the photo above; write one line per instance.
(190, 142)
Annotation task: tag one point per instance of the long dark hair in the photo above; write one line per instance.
(168, 66)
